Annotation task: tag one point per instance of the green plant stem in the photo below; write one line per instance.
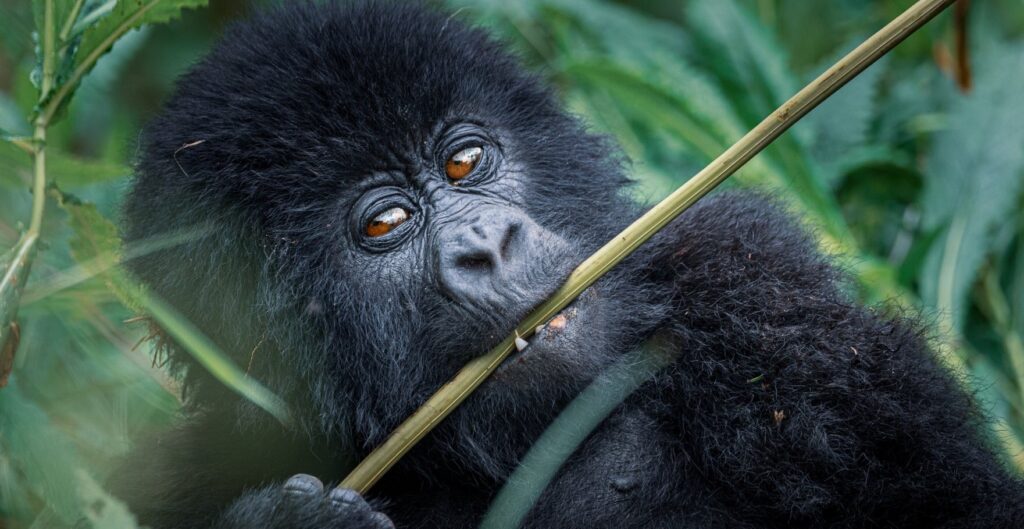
(572, 426)
(206, 352)
(39, 177)
(12, 283)
(47, 48)
(70, 22)
(476, 371)
(39, 134)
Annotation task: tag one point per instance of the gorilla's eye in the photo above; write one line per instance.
(386, 221)
(462, 163)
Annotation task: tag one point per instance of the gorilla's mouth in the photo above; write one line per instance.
(557, 334)
(557, 324)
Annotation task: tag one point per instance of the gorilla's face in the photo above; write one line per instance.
(447, 246)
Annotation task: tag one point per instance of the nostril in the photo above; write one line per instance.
(474, 263)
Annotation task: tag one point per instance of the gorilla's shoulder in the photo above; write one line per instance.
(741, 237)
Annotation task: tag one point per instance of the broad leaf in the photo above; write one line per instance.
(45, 462)
(747, 61)
(126, 15)
(94, 235)
(839, 127)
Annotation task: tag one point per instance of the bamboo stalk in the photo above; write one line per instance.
(476, 371)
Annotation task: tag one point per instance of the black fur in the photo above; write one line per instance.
(789, 405)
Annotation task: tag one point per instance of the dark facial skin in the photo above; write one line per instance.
(468, 243)
(467, 240)
(386, 193)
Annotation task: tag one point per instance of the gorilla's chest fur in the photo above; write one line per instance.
(616, 474)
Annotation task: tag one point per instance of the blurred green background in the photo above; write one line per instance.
(912, 175)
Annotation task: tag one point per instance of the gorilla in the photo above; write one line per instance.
(388, 193)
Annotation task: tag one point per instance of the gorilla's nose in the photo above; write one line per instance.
(478, 257)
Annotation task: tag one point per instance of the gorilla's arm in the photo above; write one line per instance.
(797, 405)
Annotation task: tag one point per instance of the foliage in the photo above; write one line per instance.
(914, 182)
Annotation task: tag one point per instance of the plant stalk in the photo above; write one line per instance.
(12, 283)
(70, 21)
(39, 177)
(476, 371)
(49, 41)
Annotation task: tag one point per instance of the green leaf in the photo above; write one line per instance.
(70, 171)
(125, 16)
(839, 127)
(12, 121)
(42, 455)
(15, 166)
(96, 243)
(104, 32)
(94, 11)
(617, 28)
(96, 246)
(749, 64)
(94, 235)
(742, 54)
(186, 334)
(975, 171)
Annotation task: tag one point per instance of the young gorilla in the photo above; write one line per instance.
(389, 194)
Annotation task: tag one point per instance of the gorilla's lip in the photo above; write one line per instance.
(558, 323)
(549, 335)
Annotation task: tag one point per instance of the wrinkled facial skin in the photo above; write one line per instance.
(467, 243)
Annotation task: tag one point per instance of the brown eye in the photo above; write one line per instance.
(463, 162)
(386, 221)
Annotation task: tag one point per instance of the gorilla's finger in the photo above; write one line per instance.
(347, 501)
(302, 486)
(381, 521)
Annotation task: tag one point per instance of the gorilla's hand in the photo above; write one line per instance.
(302, 503)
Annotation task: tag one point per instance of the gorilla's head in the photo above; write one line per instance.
(389, 193)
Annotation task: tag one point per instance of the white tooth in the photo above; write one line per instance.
(521, 344)
(538, 329)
